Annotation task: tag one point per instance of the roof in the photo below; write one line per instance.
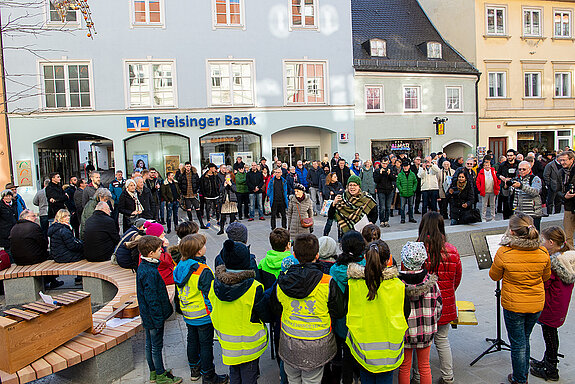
(406, 29)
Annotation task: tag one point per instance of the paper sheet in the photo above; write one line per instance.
(47, 298)
(493, 243)
(116, 322)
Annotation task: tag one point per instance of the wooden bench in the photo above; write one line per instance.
(85, 346)
(465, 314)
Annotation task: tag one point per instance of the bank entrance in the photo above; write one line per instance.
(302, 143)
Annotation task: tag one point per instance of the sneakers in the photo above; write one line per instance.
(215, 379)
(167, 378)
(402, 221)
(251, 219)
(196, 374)
(511, 381)
(262, 218)
(221, 231)
(412, 221)
(445, 381)
(153, 376)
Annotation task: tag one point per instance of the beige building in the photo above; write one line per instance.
(525, 50)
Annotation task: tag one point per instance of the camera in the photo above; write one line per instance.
(512, 181)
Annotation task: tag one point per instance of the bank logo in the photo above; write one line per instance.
(138, 124)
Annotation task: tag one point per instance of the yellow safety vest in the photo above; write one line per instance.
(376, 327)
(192, 301)
(307, 318)
(242, 341)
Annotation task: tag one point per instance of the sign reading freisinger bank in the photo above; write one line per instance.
(142, 123)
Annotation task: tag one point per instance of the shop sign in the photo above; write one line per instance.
(344, 137)
(24, 173)
(138, 124)
(400, 147)
(142, 123)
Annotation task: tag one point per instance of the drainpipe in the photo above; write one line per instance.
(5, 102)
(477, 112)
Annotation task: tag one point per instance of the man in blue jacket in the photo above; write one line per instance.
(301, 172)
(116, 187)
(277, 193)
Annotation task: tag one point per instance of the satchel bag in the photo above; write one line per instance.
(267, 206)
(325, 208)
(305, 223)
(4, 260)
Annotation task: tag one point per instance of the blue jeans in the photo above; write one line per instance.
(384, 201)
(161, 208)
(327, 228)
(201, 348)
(256, 198)
(245, 373)
(172, 208)
(519, 327)
(409, 201)
(376, 378)
(154, 345)
(429, 200)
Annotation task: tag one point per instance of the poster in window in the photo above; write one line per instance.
(218, 158)
(172, 163)
(140, 162)
(247, 157)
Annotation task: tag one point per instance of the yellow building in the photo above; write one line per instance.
(525, 50)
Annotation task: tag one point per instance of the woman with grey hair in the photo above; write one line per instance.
(101, 195)
(129, 205)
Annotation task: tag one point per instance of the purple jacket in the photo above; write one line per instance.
(558, 289)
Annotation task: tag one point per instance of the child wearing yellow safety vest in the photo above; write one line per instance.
(307, 300)
(239, 311)
(193, 280)
(376, 316)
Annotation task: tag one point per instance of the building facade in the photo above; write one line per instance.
(407, 80)
(168, 82)
(525, 50)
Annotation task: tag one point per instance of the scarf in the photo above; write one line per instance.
(300, 199)
(139, 206)
(461, 185)
(351, 209)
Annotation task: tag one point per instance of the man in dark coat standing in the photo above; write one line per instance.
(101, 235)
(55, 195)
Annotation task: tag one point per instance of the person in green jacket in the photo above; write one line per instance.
(406, 184)
(242, 194)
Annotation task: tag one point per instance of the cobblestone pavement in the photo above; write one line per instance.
(467, 341)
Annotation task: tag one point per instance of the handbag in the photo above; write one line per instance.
(325, 207)
(471, 216)
(4, 260)
(267, 206)
(305, 223)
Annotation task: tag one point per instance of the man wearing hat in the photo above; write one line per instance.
(263, 165)
(16, 198)
(407, 185)
(355, 208)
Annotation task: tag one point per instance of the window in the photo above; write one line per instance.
(562, 22)
(411, 99)
(496, 20)
(151, 85)
(231, 83)
(305, 82)
(229, 13)
(374, 99)
(66, 86)
(531, 22)
(148, 12)
(303, 13)
(72, 17)
(497, 84)
(533, 84)
(433, 50)
(377, 47)
(453, 99)
(562, 84)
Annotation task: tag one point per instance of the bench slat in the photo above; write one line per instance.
(71, 357)
(42, 368)
(84, 351)
(97, 346)
(26, 374)
(9, 378)
(108, 341)
(57, 362)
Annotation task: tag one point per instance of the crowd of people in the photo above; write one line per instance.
(333, 315)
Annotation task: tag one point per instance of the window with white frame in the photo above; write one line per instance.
(374, 98)
(531, 22)
(151, 85)
(562, 23)
(66, 85)
(562, 84)
(377, 47)
(497, 84)
(496, 20)
(433, 50)
(72, 17)
(412, 99)
(303, 13)
(453, 99)
(532, 84)
(305, 82)
(229, 13)
(148, 12)
(231, 83)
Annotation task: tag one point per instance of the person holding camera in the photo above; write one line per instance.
(525, 189)
(506, 172)
(566, 159)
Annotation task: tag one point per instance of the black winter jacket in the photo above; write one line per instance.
(343, 174)
(314, 177)
(55, 191)
(183, 183)
(457, 199)
(153, 300)
(209, 185)
(128, 257)
(78, 201)
(147, 201)
(64, 247)
(384, 182)
(228, 190)
(27, 243)
(330, 191)
(255, 179)
(101, 237)
(8, 217)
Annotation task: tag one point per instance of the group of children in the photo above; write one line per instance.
(332, 316)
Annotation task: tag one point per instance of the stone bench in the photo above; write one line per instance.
(87, 357)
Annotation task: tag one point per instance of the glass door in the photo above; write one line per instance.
(564, 139)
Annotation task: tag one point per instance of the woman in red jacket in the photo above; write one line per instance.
(488, 186)
(443, 260)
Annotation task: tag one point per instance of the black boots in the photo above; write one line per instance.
(545, 369)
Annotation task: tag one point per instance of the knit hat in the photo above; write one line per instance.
(413, 255)
(153, 229)
(288, 261)
(236, 255)
(405, 162)
(237, 232)
(139, 222)
(327, 248)
(299, 186)
(354, 179)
